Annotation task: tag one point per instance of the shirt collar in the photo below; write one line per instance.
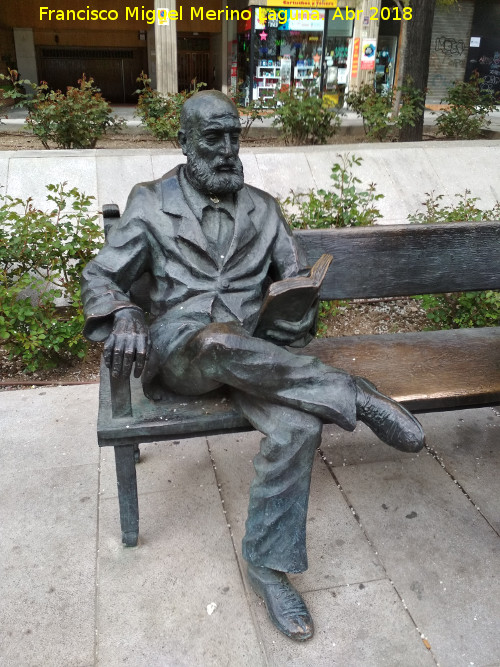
(198, 201)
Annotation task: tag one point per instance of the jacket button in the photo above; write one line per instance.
(225, 284)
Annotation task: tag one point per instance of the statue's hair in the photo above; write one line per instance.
(209, 99)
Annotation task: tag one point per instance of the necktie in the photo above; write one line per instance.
(218, 228)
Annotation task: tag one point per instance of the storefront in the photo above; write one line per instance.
(281, 47)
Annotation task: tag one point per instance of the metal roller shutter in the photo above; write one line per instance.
(451, 32)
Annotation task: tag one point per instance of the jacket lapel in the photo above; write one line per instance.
(188, 229)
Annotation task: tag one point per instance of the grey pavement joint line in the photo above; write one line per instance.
(441, 462)
(242, 576)
(375, 552)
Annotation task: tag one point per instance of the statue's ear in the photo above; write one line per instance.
(182, 140)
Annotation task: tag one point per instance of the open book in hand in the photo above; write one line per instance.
(290, 299)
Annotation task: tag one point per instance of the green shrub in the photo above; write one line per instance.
(462, 309)
(344, 205)
(470, 105)
(459, 309)
(161, 114)
(42, 255)
(465, 210)
(76, 119)
(248, 116)
(303, 118)
(376, 109)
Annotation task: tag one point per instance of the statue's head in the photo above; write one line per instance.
(210, 138)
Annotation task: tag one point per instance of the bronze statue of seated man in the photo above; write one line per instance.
(212, 245)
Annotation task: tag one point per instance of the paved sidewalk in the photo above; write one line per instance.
(15, 117)
(404, 550)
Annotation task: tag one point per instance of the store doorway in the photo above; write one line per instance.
(114, 71)
(193, 61)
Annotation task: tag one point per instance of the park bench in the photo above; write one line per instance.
(424, 370)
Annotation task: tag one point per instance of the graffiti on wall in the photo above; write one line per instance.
(449, 46)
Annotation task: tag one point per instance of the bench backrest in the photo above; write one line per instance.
(400, 260)
(395, 260)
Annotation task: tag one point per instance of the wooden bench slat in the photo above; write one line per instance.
(423, 370)
(400, 260)
(435, 369)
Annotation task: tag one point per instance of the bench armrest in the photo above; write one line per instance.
(121, 404)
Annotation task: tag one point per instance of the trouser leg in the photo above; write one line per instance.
(226, 354)
(276, 524)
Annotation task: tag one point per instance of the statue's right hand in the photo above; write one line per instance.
(127, 343)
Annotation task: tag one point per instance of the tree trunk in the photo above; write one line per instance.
(417, 53)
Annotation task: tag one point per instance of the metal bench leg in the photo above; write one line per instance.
(127, 494)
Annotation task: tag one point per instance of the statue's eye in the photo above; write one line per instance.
(211, 138)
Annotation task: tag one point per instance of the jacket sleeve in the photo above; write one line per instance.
(288, 257)
(107, 278)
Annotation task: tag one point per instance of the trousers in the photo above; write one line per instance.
(286, 397)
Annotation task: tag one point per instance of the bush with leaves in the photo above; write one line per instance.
(376, 109)
(75, 119)
(459, 309)
(248, 116)
(161, 114)
(469, 107)
(303, 117)
(42, 255)
(344, 205)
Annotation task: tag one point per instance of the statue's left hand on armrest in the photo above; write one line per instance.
(127, 343)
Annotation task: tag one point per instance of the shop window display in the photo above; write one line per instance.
(286, 51)
(338, 41)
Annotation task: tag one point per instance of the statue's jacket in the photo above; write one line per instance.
(159, 235)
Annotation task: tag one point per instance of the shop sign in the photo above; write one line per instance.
(305, 4)
(355, 58)
(302, 20)
(368, 54)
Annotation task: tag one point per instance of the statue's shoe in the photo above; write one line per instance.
(389, 420)
(285, 606)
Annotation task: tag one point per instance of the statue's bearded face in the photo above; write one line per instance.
(212, 143)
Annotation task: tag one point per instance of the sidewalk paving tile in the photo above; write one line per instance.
(48, 537)
(154, 600)
(43, 428)
(438, 550)
(341, 448)
(470, 453)
(338, 552)
(364, 625)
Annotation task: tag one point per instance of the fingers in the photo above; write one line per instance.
(291, 327)
(117, 362)
(141, 354)
(280, 336)
(128, 343)
(108, 350)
